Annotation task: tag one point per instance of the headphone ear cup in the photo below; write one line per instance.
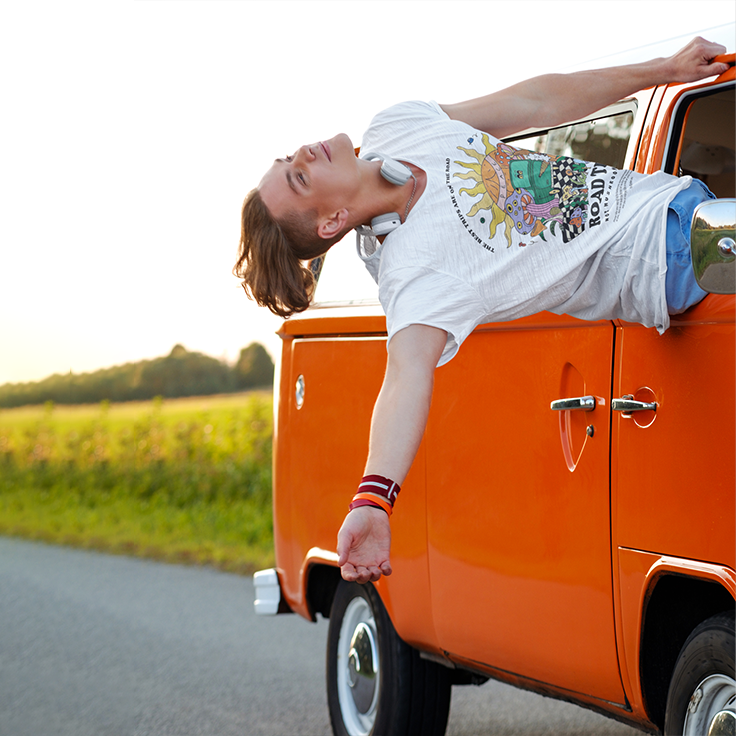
(395, 172)
(385, 224)
(391, 170)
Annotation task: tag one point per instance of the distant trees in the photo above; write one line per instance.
(180, 373)
(254, 367)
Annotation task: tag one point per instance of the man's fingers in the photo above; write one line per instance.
(719, 68)
(353, 575)
(369, 575)
(709, 52)
(349, 573)
(362, 574)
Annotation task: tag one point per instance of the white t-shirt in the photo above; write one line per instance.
(501, 233)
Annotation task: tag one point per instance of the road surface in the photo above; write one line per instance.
(99, 645)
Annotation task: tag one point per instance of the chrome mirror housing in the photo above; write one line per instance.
(713, 245)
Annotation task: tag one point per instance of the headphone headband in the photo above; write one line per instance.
(391, 170)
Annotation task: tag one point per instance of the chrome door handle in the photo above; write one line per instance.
(627, 404)
(579, 403)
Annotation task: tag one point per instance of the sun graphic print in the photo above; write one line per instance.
(528, 193)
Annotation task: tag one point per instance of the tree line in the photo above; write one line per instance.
(180, 373)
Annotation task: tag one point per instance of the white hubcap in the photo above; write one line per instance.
(358, 668)
(712, 708)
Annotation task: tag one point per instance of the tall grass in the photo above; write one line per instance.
(183, 480)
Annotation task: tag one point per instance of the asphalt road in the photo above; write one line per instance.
(98, 645)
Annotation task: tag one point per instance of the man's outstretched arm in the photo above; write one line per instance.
(552, 99)
(399, 419)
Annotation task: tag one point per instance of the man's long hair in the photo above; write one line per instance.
(273, 257)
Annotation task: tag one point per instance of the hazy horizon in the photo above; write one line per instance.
(230, 362)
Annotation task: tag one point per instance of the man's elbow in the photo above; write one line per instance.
(416, 349)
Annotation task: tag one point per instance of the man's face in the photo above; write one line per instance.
(320, 176)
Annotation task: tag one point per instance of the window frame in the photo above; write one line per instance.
(678, 121)
(629, 105)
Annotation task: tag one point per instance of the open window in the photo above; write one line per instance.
(703, 138)
(603, 138)
(701, 144)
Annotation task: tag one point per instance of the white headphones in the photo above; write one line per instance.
(396, 173)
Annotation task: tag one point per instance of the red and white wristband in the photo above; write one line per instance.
(376, 491)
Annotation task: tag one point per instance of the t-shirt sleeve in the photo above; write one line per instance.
(434, 299)
(398, 121)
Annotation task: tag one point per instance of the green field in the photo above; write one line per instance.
(184, 480)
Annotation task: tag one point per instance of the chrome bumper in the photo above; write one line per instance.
(268, 592)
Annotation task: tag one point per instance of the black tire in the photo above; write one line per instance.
(703, 674)
(394, 692)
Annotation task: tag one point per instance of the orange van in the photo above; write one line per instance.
(589, 552)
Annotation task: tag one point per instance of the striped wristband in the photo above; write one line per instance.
(372, 487)
(380, 486)
(366, 499)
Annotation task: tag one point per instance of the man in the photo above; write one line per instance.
(537, 238)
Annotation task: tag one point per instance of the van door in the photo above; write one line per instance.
(518, 505)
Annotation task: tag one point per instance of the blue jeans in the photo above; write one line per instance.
(680, 286)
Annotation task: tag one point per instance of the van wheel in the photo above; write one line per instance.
(702, 695)
(377, 685)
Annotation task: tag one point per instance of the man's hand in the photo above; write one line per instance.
(695, 61)
(363, 545)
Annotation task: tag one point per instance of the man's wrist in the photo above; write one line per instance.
(377, 491)
(360, 500)
(380, 486)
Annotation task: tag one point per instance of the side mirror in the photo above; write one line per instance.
(713, 245)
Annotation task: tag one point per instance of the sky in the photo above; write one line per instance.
(133, 129)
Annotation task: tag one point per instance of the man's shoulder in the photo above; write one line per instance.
(396, 124)
(407, 111)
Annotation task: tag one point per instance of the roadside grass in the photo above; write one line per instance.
(182, 480)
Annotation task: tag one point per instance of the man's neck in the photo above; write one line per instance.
(382, 196)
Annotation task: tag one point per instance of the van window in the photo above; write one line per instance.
(603, 140)
(703, 141)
